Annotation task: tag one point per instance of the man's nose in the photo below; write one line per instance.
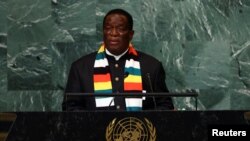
(114, 32)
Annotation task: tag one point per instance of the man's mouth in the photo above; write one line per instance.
(113, 42)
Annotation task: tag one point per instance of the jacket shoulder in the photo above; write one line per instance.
(85, 60)
(146, 58)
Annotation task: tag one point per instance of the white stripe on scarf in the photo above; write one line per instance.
(132, 63)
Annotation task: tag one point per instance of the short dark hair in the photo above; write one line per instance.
(122, 12)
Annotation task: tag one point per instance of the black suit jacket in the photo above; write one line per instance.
(80, 80)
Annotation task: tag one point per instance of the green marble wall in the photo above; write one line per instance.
(203, 44)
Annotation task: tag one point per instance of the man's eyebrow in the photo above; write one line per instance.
(119, 25)
(122, 25)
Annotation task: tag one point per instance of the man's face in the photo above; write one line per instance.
(117, 34)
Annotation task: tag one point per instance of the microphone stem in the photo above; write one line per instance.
(151, 88)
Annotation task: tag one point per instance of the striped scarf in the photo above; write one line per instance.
(102, 78)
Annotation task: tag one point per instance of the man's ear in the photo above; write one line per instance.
(131, 34)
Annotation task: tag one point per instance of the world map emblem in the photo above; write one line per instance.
(130, 129)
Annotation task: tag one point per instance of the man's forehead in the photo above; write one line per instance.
(109, 17)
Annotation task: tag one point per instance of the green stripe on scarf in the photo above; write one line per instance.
(132, 83)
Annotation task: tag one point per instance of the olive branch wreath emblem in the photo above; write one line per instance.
(150, 126)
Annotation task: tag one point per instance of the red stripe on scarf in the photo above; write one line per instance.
(132, 51)
(132, 86)
(102, 77)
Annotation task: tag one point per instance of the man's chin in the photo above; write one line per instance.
(114, 47)
(115, 51)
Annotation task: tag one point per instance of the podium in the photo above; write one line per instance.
(77, 99)
(102, 126)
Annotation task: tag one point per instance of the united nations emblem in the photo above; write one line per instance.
(130, 129)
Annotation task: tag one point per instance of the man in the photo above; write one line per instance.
(117, 68)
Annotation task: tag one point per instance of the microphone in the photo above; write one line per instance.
(112, 100)
(151, 89)
(126, 75)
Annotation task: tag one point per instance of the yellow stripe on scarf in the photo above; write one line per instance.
(103, 85)
(133, 78)
(101, 49)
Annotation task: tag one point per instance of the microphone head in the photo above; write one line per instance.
(126, 74)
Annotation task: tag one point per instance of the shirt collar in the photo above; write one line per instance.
(117, 57)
